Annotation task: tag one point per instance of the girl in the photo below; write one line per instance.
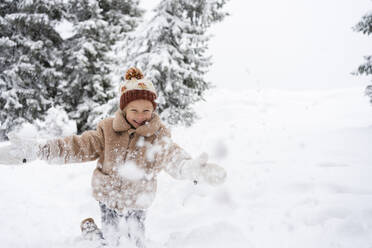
(132, 148)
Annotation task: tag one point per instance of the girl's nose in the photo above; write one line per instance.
(141, 117)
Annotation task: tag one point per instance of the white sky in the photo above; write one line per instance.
(291, 44)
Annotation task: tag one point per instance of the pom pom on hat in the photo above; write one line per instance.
(133, 73)
(136, 87)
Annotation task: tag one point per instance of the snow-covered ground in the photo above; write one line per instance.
(299, 175)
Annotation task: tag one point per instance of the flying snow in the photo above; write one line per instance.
(131, 171)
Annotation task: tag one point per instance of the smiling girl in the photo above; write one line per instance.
(132, 148)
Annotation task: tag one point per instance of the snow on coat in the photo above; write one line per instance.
(128, 159)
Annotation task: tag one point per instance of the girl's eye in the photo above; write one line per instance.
(146, 110)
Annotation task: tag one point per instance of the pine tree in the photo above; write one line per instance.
(29, 60)
(89, 56)
(171, 49)
(365, 26)
(86, 64)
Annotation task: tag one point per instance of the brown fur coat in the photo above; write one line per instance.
(128, 159)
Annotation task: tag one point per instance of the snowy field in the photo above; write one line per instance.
(299, 175)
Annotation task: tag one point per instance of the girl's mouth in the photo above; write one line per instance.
(140, 123)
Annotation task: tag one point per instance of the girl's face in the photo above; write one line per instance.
(138, 112)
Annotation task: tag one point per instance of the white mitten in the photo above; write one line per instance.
(7, 156)
(199, 170)
(213, 174)
(23, 150)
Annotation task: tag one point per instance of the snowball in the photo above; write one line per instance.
(140, 142)
(152, 151)
(131, 171)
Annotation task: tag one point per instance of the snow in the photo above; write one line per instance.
(298, 165)
(56, 124)
(27, 131)
(131, 172)
(65, 29)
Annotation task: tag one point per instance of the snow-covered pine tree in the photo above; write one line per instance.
(123, 16)
(171, 50)
(30, 59)
(89, 57)
(365, 26)
(86, 64)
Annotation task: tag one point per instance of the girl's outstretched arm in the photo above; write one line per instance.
(73, 149)
(180, 165)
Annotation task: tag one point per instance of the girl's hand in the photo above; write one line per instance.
(7, 156)
(22, 150)
(213, 174)
(200, 171)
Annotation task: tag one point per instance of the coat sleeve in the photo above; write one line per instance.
(76, 148)
(171, 155)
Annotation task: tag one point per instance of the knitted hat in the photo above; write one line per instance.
(136, 87)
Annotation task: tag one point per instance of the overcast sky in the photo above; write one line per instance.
(291, 44)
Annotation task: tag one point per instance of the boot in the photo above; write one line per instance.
(90, 231)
